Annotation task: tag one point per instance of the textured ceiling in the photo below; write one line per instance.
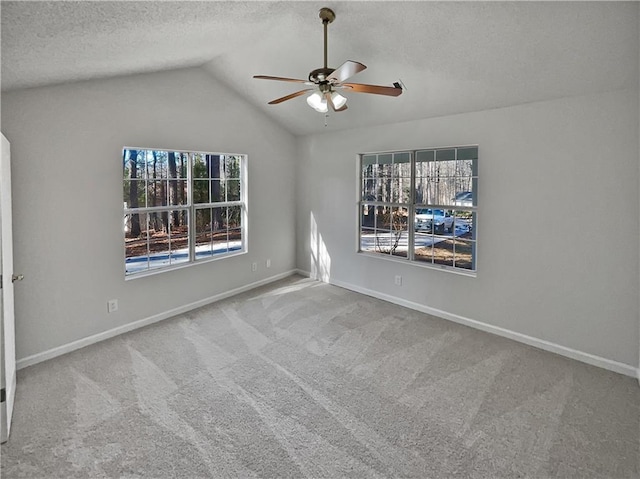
(453, 57)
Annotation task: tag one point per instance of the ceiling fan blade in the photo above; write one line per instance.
(295, 80)
(376, 89)
(346, 70)
(289, 97)
(327, 95)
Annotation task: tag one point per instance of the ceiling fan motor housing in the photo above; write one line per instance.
(320, 75)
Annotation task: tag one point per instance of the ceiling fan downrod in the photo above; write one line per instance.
(327, 15)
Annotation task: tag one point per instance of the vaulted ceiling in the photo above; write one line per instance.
(453, 57)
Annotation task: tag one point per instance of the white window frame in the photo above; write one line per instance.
(411, 205)
(190, 207)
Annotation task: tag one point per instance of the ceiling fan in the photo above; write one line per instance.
(325, 82)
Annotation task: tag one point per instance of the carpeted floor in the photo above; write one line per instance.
(303, 379)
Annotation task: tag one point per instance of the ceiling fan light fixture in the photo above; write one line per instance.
(338, 100)
(317, 101)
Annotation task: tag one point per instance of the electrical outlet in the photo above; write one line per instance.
(268, 263)
(112, 305)
(398, 280)
(254, 267)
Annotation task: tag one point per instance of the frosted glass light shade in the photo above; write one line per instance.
(317, 101)
(338, 100)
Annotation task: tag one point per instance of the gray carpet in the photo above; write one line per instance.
(303, 379)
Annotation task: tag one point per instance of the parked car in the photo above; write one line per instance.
(464, 198)
(433, 220)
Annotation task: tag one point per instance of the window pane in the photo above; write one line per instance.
(399, 232)
(201, 191)
(156, 193)
(368, 160)
(134, 164)
(232, 167)
(383, 217)
(134, 194)
(395, 170)
(385, 191)
(203, 221)
(433, 191)
(204, 233)
(368, 171)
(182, 164)
(136, 243)
(234, 219)
(385, 159)
(177, 192)
(395, 190)
(219, 219)
(233, 190)
(216, 166)
(367, 217)
(367, 239)
(463, 223)
(368, 192)
(434, 220)
(464, 169)
(445, 191)
(443, 251)
(405, 170)
(159, 248)
(470, 153)
(447, 168)
(444, 155)
(464, 254)
(423, 250)
(235, 239)
(159, 167)
(404, 194)
(179, 237)
(425, 155)
(217, 191)
(220, 242)
(421, 190)
(403, 157)
(382, 242)
(199, 167)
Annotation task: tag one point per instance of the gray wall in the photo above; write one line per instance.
(66, 144)
(558, 254)
(558, 235)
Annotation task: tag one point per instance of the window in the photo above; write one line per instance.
(182, 207)
(421, 206)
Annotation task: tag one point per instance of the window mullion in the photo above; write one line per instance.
(412, 208)
(191, 211)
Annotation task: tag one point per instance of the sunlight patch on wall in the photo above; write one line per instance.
(320, 258)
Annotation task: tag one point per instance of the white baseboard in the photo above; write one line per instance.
(96, 338)
(588, 358)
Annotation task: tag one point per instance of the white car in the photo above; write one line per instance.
(464, 198)
(433, 220)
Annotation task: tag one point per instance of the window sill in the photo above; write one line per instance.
(404, 261)
(153, 272)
